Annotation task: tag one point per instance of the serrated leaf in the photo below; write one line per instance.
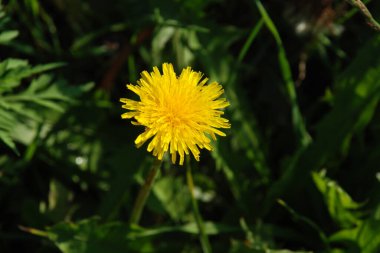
(19, 73)
(61, 92)
(49, 104)
(20, 110)
(339, 203)
(14, 70)
(368, 235)
(6, 66)
(344, 236)
(89, 236)
(7, 140)
(18, 69)
(364, 238)
(7, 119)
(7, 122)
(41, 92)
(39, 83)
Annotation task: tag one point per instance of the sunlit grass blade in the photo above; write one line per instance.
(297, 118)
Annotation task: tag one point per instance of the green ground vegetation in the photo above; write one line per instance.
(299, 170)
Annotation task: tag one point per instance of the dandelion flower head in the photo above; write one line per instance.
(180, 113)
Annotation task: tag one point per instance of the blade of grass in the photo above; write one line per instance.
(357, 84)
(297, 121)
(248, 43)
(302, 219)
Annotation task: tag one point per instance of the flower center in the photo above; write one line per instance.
(176, 114)
(174, 117)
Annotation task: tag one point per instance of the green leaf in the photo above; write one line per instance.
(358, 84)
(38, 84)
(303, 136)
(63, 92)
(21, 111)
(43, 92)
(12, 71)
(305, 220)
(211, 228)
(241, 247)
(48, 104)
(89, 236)
(7, 122)
(347, 236)
(7, 36)
(340, 205)
(364, 238)
(368, 235)
(173, 196)
(4, 136)
(11, 63)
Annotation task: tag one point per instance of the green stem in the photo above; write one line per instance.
(144, 193)
(206, 247)
(368, 16)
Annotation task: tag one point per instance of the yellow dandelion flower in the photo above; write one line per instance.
(180, 113)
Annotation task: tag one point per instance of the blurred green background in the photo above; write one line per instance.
(299, 171)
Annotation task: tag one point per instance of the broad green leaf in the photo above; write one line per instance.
(173, 196)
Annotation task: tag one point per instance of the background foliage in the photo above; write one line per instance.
(298, 171)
